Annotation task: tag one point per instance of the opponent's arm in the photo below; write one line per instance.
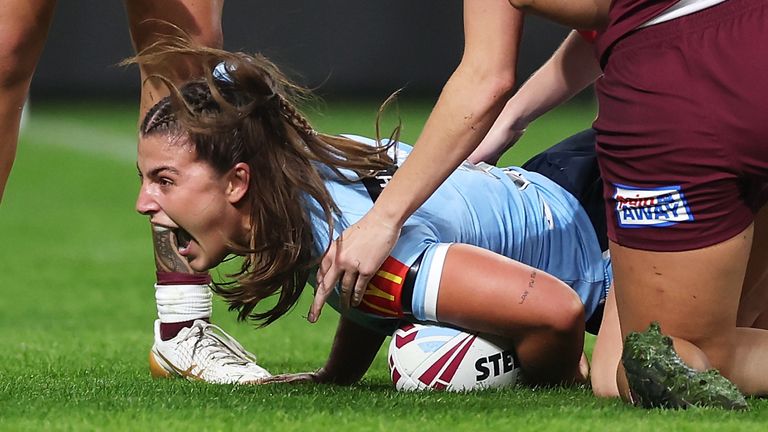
(470, 102)
(570, 69)
(353, 350)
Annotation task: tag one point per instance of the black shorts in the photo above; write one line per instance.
(572, 163)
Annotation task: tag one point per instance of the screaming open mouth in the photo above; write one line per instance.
(183, 239)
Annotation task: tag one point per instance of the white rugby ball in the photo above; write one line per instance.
(431, 357)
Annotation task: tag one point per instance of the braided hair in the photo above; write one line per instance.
(251, 116)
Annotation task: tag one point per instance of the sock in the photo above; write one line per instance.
(181, 299)
(169, 331)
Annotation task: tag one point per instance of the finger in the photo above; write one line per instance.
(347, 288)
(326, 263)
(326, 279)
(273, 379)
(288, 378)
(348, 283)
(322, 293)
(360, 287)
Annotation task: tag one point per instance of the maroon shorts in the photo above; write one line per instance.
(683, 128)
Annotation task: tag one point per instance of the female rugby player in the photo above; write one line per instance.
(230, 165)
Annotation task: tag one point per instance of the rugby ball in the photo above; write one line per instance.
(432, 357)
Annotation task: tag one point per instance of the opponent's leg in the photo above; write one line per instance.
(23, 30)
(694, 295)
(182, 296)
(487, 292)
(753, 312)
(148, 20)
(607, 351)
(754, 296)
(186, 344)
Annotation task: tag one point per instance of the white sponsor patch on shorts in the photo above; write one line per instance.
(658, 207)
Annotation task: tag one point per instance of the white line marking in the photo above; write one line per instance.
(78, 135)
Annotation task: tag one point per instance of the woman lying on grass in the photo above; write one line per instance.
(231, 166)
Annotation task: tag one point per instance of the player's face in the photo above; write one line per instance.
(187, 195)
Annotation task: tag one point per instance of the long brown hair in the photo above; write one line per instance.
(250, 115)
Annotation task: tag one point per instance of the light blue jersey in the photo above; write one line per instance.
(513, 212)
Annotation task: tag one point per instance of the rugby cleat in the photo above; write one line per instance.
(204, 352)
(658, 378)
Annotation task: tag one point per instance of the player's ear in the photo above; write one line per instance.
(239, 178)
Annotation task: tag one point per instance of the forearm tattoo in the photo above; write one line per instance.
(167, 258)
(531, 284)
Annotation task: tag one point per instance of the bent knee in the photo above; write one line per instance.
(19, 53)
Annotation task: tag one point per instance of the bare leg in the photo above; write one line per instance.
(182, 296)
(148, 19)
(607, 351)
(754, 296)
(23, 30)
(486, 292)
(752, 313)
(695, 296)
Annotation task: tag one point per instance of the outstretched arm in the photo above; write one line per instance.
(470, 102)
(354, 348)
(570, 69)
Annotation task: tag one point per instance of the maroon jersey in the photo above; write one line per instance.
(625, 16)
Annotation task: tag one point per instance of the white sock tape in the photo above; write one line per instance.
(177, 303)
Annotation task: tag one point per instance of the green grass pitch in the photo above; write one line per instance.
(77, 307)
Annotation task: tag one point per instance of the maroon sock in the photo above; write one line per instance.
(176, 278)
(170, 330)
